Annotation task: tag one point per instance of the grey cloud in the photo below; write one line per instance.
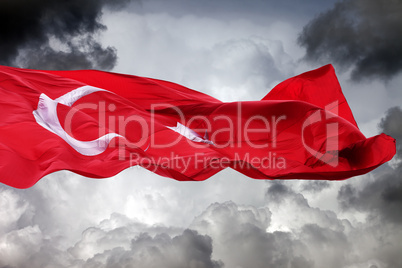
(29, 28)
(242, 67)
(256, 10)
(382, 197)
(333, 246)
(188, 249)
(315, 186)
(127, 244)
(240, 238)
(362, 34)
(278, 192)
(223, 235)
(329, 240)
(298, 210)
(392, 125)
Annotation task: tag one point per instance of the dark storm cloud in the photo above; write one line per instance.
(382, 198)
(362, 34)
(87, 55)
(28, 28)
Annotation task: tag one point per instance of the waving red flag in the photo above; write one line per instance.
(97, 123)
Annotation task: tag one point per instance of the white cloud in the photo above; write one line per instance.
(231, 60)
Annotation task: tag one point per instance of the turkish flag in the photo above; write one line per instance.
(98, 123)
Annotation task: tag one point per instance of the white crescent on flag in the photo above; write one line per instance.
(46, 116)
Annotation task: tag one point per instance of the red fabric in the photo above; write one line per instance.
(302, 129)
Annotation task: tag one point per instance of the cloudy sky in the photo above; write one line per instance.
(232, 50)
